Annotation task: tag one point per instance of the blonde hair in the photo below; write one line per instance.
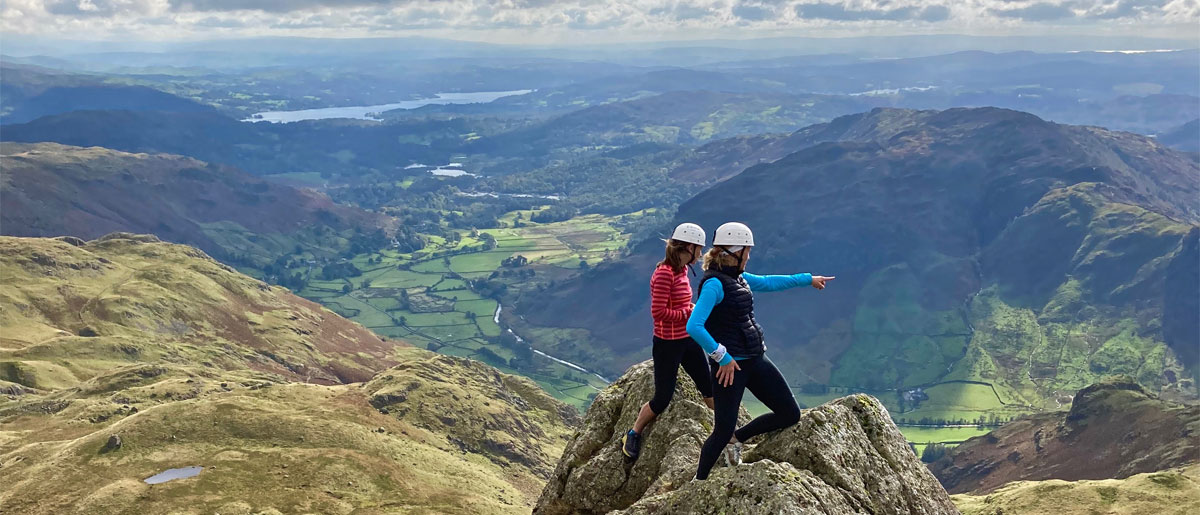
(678, 255)
(717, 257)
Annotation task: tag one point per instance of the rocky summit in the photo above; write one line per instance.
(845, 456)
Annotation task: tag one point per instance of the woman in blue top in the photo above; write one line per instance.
(723, 324)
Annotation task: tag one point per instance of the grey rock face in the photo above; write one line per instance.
(593, 475)
(846, 456)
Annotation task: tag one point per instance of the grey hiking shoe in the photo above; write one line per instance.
(631, 444)
(733, 454)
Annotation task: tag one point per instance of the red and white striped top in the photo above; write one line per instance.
(670, 302)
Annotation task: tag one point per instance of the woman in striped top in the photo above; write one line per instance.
(670, 306)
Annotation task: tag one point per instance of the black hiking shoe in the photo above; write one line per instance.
(631, 444)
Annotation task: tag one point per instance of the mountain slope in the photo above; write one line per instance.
(998, 260)
(71, 310)
(1185, 137)
(1169, 492)
(1114, 429)
(54, 190)
(185, 363)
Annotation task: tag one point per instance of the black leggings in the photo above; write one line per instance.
(668, 355)
(763, 380)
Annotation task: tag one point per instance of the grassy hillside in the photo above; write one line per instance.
(71, 310)
(1169, 492)
(188, 363)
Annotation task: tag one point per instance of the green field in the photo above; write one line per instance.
(424, 297)
(917, 435)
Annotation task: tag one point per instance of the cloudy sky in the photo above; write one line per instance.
(592, 21)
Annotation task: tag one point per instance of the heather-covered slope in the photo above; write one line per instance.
(58, 190)
(999, 261)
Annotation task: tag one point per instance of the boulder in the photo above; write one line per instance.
(113, 444)
(852, 445)
(845, 456)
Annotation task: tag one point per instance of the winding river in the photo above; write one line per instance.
(496, 319)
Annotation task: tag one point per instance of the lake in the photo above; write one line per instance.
(364, 112)
(169, 474)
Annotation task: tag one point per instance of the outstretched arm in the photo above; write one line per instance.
(776, 282)
(711, 293)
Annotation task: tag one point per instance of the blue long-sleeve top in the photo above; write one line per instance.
(711, 294)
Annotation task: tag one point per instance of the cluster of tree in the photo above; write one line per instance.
(408, 240)
(555, 213)
(522, 359)
(606, 184)
(933, 452)
(341, 270)
(295, 281)
(516, 261)
(489, 288)
(992, 420)
(363, 243)
(524, 273)
(490, 357)
(431, 205)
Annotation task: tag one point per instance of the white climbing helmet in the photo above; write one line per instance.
(690, 233)
(734, 234)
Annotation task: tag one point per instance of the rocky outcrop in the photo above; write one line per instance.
(759, 487)
(1113, 430)
(507, 419)
(593, 475)
(845, 456)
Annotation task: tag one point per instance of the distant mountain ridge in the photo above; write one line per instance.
(58, 190)
(1185, 137)
(969, 244)
(677, 117)
(31, 92)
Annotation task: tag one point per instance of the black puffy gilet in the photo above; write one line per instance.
(731, 322)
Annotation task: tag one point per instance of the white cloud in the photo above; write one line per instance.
(572, 20)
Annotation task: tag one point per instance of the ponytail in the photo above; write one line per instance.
(716, 257)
